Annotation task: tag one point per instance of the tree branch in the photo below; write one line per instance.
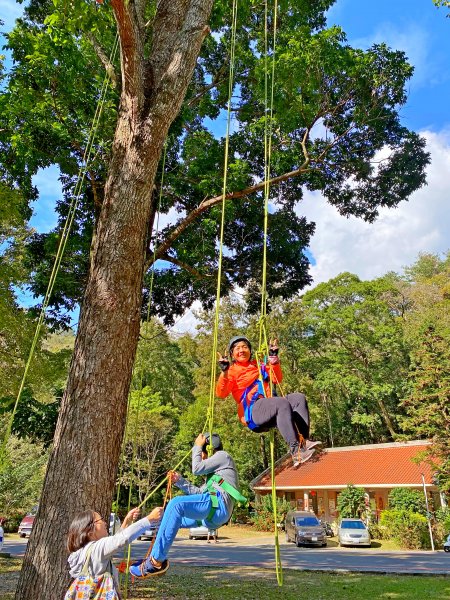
(132, 50)
(206, 204)
(220, 75)
(101, 55)
(194, 272)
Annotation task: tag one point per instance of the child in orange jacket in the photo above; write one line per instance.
(258, 408)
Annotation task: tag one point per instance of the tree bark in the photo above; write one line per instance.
(82, 468)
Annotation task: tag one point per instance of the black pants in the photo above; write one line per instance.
(287, 413)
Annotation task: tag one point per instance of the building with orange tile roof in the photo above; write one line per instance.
(378, 468)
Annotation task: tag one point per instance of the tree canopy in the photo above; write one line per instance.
(335, 113)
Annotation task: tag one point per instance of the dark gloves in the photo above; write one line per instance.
(224, 363)
(273, 352)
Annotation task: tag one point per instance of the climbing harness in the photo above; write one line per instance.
(248, 402)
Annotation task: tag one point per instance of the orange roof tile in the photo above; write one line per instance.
(375, 465)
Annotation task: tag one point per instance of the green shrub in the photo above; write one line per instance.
(262, 519)
(378, 532)
(240, 515)
(11, 525)
(407, 499)
(441, 526)
(443, 517)
(408, 529)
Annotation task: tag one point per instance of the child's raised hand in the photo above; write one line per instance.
(223, 361)
(156, 514)
(131, 516)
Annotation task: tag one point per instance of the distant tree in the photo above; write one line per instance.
(16, 324)
(21, 476)
(351, 502)
(344, 346)
(428, 403)
(33, 420)
(427, 333)
(162, 367)
(148, 445)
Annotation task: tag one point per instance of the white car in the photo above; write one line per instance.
(353, 532)
(196, 533)
(447, 545)
(114, 524)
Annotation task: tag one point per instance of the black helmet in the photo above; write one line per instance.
(238, 338)
(216, 442)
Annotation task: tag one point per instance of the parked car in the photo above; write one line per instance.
(447, 544)
(201, 532)
(304, 528)
(151, 532)
(353, 532)
(114, 524)
(26, 523)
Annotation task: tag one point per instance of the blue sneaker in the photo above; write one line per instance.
(142, 569)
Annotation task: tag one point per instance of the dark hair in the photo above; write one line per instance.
(234, 340)
(80, 530)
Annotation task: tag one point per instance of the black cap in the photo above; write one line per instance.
(216, 442)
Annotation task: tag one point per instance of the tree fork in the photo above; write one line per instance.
(82, 468)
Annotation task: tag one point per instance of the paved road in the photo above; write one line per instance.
(259, 552)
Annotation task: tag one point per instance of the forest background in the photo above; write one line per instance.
(372, 356)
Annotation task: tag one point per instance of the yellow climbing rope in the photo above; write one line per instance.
(210, 415)
(263, 342)
(63, 241)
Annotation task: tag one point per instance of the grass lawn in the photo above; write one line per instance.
(246, 583)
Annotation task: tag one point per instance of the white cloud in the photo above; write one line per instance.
(188, 322)
(396, 238)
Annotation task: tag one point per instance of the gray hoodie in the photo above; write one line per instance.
(104, 549)
(220, 463)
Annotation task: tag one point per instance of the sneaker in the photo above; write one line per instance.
(306, 454)
(312, 444)
(145, 568)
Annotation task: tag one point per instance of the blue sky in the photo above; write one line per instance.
(419, 29)
(421, 225)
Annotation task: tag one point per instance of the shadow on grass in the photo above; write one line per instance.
(248, 583)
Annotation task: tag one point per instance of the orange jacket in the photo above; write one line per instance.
(240, 376)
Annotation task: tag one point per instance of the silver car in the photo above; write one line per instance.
(353, 532)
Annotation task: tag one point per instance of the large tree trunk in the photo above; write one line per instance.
(82, 469)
